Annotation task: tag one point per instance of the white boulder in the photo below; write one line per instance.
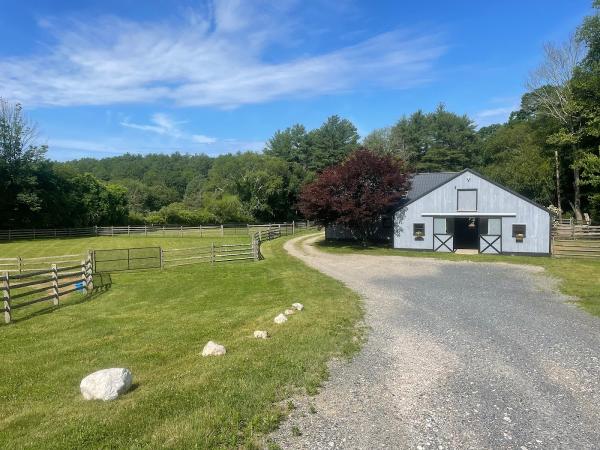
(106, 384)
(298, 306)
(260, 334)
(280, 319)
(289, 312)
(213, 349)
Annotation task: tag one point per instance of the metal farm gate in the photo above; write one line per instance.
(126, 259)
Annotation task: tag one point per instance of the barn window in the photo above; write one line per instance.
(466, 200)
(418, 229)
(490, 226)
(519, 231)
(439, 225)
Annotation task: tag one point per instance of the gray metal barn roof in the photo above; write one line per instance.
(423, 183)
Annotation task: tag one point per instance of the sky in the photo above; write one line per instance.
(103, 78)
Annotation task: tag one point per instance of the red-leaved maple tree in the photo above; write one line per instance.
(356, 193)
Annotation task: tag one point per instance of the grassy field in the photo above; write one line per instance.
(156, 323)
(50, 247)
(578, 277)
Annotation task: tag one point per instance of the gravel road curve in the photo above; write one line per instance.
(459, 355)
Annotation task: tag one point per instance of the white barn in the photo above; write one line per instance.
(446, 212)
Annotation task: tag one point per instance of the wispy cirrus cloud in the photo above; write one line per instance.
(65, 149)
(220, 56)
(497, 114)
(164, 125)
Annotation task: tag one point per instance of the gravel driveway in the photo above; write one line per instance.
(459, 355)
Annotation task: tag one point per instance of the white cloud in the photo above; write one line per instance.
(494, 115)
(495, 112)
(221, 56)
(201, 139)
(82, 145)
(163, 125)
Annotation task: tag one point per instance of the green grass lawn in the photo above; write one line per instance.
(156, 323)
(578, 277)
(51, 247)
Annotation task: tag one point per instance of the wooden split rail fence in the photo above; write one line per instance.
(576, 248)
(570, 240)
(572, 231)
(45, 285)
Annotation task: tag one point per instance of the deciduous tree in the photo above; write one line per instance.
(356, 193)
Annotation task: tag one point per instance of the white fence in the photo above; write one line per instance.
(20, 264)
(150, 230)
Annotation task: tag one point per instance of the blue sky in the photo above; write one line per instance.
(108, 77)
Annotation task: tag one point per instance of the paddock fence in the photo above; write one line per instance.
(225, 252)
(22, 264)
(29, 281)
(20, 290)
(569, 248)
(572, 231)
(572, 240)
(152, 230)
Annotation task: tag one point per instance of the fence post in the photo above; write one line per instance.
(128, 230)
(9, 234)
(96, 230)
(6, 295)
(112, 230)
(293, 227)
(222, 231)
(200, 227)
(84, 275)
(20, 263)
(212, 252)
(161, 258)
(89, 274)
(56, 300)
(145, 230)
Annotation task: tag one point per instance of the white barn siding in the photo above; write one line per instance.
(491, 199)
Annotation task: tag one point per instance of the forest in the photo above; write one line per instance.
(548, 150)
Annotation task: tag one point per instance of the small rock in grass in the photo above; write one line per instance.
(260, 334)
(213, 349)
(280, 319)
(298, 306)
(106, 384)
(289, 312)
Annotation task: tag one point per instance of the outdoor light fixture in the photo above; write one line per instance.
(471, 223)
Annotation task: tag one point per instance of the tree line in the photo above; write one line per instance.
(548, 150)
